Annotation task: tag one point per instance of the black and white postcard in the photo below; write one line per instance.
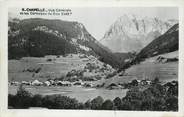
(93, 58)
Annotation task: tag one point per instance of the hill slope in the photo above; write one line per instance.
(39, 37)
(168, 42)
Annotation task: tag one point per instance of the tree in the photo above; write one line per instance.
(133, 99)
(87, 104)
(11, 101)
(172, 103)
(173, 89)
(126, 105)
(146, 105)
(96, 103)
(108, 105)
(155, 81)
(134, 82)
(117, 103)
(23, 98)
(81, 106)
(36, 100)
(158, 104)
(60, 102)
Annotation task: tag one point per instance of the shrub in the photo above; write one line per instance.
(35, 70)
(38, 70)
(110, 75)
(49, 60)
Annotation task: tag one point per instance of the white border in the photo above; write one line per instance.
(83, 3)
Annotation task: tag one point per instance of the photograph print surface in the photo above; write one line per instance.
(93, 58)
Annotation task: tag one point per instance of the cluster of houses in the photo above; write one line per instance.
(144, 82)
(82, 83)
(52, 83)
(130, 84)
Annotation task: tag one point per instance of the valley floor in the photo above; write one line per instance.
(53, 67)
(80, 93)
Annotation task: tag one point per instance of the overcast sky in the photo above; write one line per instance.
(98, 20)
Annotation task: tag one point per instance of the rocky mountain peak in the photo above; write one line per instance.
(131, 33)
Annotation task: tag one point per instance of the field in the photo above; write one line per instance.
(149, 70)
(55, 67)
(80, 93)
(51, 67)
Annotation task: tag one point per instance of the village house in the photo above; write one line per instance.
(36, 83)
(64, 83)
(47, 83)
(25, 83)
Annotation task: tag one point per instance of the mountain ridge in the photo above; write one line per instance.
(39, 37)
(129, 33)
(166, 43)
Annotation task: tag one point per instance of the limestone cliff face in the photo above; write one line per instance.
(130, 33)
